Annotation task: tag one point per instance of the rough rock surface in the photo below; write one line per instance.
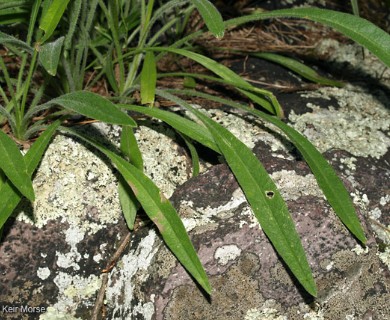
(56, 263)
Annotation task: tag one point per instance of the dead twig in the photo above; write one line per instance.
(99, 304)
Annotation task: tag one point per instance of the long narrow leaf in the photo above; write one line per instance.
(358, 29)
(256, 94)
(193, 130)
(264, 198)
(129, 202)
(14, 167)
(94, 106)
(299, 68)
(333, 188)
(148, 79)
(327, 179)
(52, 17)
(7, 39)
(161, 212)
(10, 197)
(211, 17)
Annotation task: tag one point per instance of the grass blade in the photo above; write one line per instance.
(160, 211)
(358, 29)
(9, 195)
(14, 167)
(211, 17)
(263, 196)
(94, 106)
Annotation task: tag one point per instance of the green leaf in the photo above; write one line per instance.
(49, 55)
(148, 79)
(129, 147)
(52, 17)
(13, 166)
(264, 198)
(191, 129)
(327, 179)
(358, 29)
(211, 17)
(3, 178)
(129, 202)
(225, 73)
(333, 188)
(161, 212)
(299, 68)
(94, 106)
(7, 39)
(10, 197)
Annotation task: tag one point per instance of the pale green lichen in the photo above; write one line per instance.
(358, 126)
(53, 314)
(268, 311)
(73, 290)
(226, 253)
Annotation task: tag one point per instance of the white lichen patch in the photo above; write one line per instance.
(292, 186)
(198, 216)
(359, 126)
(43, 273)
(119, 293)
(226, 253)
(385, 256)
(73, 289)
(73, 236)
(359, 250)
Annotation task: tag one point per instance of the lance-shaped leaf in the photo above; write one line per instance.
(190, 128)
(7, 39)
(298, 67)
(327, 179)
(129, 202)
(263, 196)
(49, 55)
(10, 197)
(52, 17)
(211, 17)
(14, 167)
(148, 79)
(264, 98)
(94, 106)
(161, 212)
(358, 29)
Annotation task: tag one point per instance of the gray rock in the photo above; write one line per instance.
(56, 261)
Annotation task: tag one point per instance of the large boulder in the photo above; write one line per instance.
(53, 252)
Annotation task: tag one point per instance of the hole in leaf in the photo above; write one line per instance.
(269, 194)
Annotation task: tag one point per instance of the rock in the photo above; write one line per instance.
(249, 280)
(56, 262)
